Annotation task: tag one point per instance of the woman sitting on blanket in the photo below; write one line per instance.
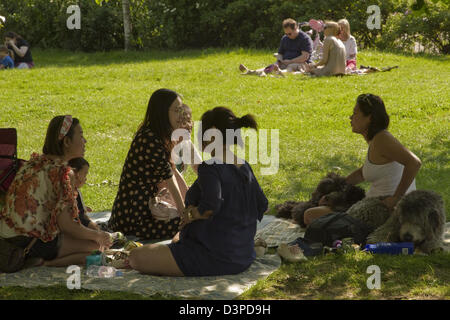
(389, 166)
(41, 202)
(223, 206)
(350, 44)
(149, 172)
(333, 55)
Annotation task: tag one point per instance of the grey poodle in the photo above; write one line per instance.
(419, 217)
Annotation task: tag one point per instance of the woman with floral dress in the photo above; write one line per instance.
(41, 202)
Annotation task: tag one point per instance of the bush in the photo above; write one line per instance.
(43, 23)
(179, 24)
(430, 28)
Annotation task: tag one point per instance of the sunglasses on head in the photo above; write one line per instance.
(366, 98)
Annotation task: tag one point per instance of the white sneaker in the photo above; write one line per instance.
(260, 247)
(291, 253)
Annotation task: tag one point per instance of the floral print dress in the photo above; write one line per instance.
(40, 192)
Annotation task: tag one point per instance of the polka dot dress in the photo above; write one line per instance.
(146, 165)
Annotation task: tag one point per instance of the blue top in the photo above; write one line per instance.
(7, 62)
(237, 202)
(292, 48)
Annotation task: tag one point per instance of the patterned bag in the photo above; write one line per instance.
(163, 205)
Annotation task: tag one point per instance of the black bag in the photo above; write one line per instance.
(12, 257)
(336, 226)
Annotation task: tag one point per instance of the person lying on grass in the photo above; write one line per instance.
(222, 209)
(294, 51)
(41, 203)
(389, 166)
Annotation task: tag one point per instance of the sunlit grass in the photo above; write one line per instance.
(109, 93)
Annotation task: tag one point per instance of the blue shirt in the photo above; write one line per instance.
(292, 48)
(237, 202)
(7, 62)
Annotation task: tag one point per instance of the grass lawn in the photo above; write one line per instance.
(109, 93)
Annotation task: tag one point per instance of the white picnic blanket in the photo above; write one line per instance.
(222, 287)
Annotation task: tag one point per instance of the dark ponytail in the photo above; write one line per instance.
(247, 121)
(223, 118)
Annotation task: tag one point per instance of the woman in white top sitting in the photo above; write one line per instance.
(389, 167)
(350, 44)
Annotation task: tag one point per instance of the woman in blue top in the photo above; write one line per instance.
(222, 209)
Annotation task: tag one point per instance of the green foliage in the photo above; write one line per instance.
(429, 25)
(43, 23)
(180, 24)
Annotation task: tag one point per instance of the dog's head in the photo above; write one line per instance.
(331, 183)
(421, 216)
(344, 199)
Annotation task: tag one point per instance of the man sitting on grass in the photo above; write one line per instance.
(294, 51)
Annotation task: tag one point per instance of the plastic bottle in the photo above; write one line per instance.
(103, 272)
(391, 247)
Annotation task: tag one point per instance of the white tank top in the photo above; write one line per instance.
(384, 178)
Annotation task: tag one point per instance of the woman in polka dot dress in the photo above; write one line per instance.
(148, 165)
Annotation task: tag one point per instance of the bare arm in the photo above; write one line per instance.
(391, 149)
(21, 52)
(356, 177)
(174, 190)
(74, 229)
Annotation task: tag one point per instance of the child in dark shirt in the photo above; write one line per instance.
(80, 167)
(6, 62)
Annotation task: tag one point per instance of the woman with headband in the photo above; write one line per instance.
(41, 202)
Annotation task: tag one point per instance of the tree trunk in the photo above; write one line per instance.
(126, 23)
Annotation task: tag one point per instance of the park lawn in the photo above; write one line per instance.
(109, 93)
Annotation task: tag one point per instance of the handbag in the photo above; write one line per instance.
(12, 257)
(162, 206)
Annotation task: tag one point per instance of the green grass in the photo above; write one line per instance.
(109, 93)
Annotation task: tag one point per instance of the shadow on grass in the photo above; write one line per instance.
(61, 58)
(345, 277)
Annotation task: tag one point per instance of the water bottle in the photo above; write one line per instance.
(391, 247)
(103, 272)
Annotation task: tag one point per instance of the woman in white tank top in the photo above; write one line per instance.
(389, 167)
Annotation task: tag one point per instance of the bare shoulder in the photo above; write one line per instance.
(384, 137)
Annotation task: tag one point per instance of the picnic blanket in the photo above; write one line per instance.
(217, 288)
(278, 231)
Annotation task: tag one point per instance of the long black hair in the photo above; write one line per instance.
(372, 105)
(157, 115)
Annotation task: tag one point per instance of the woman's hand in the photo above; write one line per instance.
(104, 240)
(191, 214)
(390, 202)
